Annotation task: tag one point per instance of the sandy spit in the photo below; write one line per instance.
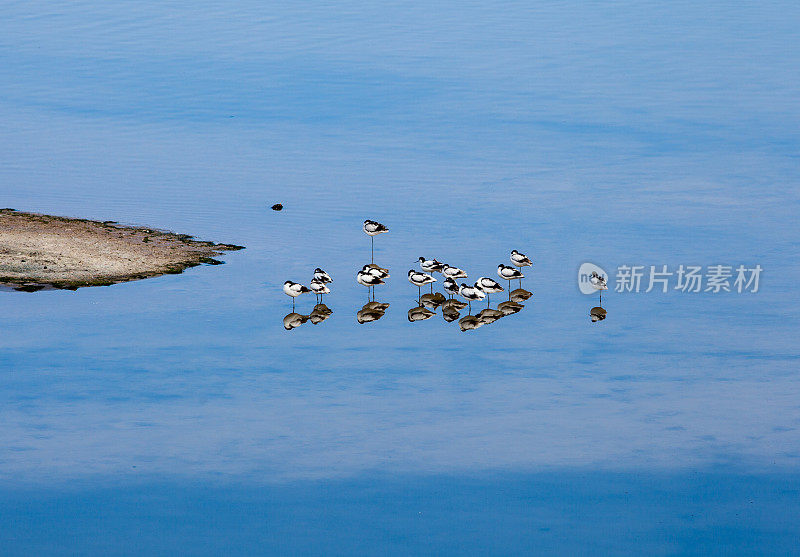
(44, 251)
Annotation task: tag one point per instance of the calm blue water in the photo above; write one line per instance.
(177, 414)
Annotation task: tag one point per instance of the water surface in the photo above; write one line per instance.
(633, 133)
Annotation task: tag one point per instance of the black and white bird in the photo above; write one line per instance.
(520, 259)
(450, 286)
(368, 279)
(489, 286)
(599, 283)
(376, 271)
(420, 279)
(470, 293)
(322, 276)
(373, 228)
(294, 289)
(452, 272)
(509, 273)
(318, 287)
(429, 265)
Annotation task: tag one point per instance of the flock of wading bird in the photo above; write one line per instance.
(372, 275)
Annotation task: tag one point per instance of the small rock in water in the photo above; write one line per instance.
(277, 207)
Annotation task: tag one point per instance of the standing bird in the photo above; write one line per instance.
(509, 273)
(376, 271)
(520, 260)
(368, 279)
(322, 276)
(450, 286)
(420, 279)
(452, 272)
(372, 229)
(294, 289)
(490, 286)
(470, 293)
(599, 283)
(318, 287)
(429, 265)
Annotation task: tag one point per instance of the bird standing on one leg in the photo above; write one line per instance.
(373, 228)
(419, 279)
(509, 273)
(599, 283)
(319, 288)
(471, 293)
(520, 260)
(489, 286)
(294, 289)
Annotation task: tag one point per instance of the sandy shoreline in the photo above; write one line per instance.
(43, 251)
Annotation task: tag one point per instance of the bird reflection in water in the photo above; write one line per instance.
(371, 311)
(432, 301)
(597, 314)
(420, 313)
(469, 323)
(320, 313)
(489, 315)
(519, 295)
(294, 320)
(451, 309)
(510, 307)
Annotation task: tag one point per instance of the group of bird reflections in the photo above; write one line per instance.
(372, 275)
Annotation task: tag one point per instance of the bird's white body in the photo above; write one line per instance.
(597, 281)
(471, 293)
(490, 286)
(506, 272)
(450, 285)
(322, 276)
(375, 271)
(520, 259)
(429, 265)
(294, 289)
(419, 279)
(368, 279)
(373, 228)
(453, 272)
(318, 287)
